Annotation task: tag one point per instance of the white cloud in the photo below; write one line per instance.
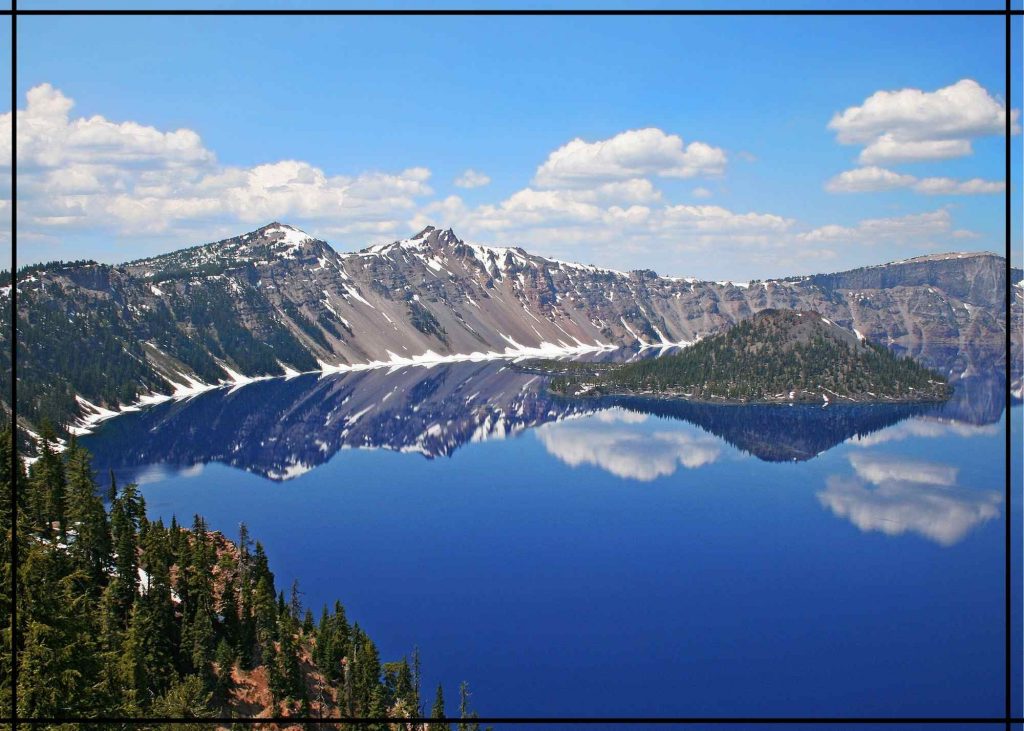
(701, 192)
(589, 201)
(607, 441)
(128, 178)
(911, 125)
(888, 149)
(948, 186)
(867, 179)
(630, 154)
(49, 138)
(899, 229)
(965, 234)
(873, 179)
(472, 179)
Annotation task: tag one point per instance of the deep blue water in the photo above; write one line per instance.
(618, 558)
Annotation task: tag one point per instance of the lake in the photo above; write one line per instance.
(620, 557)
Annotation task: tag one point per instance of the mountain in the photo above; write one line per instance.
(95, 337)
(773, 356)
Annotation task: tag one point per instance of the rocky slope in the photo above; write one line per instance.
(276, 300)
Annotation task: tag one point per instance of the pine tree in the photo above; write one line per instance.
(125, 524)
(7, 537)
(185, 698)
(149, 649)
(438, 711)
(59, 661)
(225, 683)
(89, 531)
(466, 716)
(103, 630)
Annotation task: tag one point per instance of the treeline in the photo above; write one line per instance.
(121, 616)
(94, 346)
(763, 358)
(67, 347)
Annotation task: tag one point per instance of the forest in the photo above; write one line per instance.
(121, 616)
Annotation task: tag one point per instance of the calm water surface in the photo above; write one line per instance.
(615, 558)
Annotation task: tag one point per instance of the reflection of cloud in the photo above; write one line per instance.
(607, 441)
(160, 471)
(619, 414)
(927, 428)
(920, 497)
(879, 469)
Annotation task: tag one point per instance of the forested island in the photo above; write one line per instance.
(775, 356)
(120, 616)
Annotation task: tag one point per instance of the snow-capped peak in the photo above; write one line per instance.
(287, 235)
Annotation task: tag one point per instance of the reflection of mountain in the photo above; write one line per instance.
(908, 496)
(979, 374)
(281, 428)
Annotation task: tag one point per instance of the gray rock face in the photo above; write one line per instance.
(196, 313)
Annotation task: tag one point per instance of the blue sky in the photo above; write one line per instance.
(382, 115)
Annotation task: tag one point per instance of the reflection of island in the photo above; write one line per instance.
(779, 433)
(281, 428)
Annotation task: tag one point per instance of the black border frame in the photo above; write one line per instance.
(1009, 12)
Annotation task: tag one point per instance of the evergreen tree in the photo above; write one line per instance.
(7, 537)
(185, 698)
(225, 683)
(104, 630)
(466, 716)
(148, 659)
(438, 711)
(89, 532)
(126, 514)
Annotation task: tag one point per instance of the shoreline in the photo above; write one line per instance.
(846, 400)
(184, 391)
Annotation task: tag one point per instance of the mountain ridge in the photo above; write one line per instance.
(276, 301)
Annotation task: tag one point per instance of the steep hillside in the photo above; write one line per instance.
(95, 337)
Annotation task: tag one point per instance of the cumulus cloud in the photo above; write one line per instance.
(867, 179)
(949, 186)
(630, 154)
(908, 496)
(471, 178)
(621, 226)
(872, 179)
(701, 192)
(590, 201)
(914, 227)
(81, 173)
(910, 125)
(889, 149)
(607, 441)
(49, 138)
